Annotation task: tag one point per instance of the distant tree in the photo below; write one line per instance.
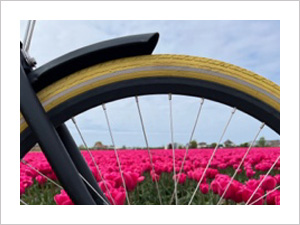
(170, 146)
(228, 144)
(82, 147)
(98, 145)
(193, 144)
(262, 142)
(124, 147)
(246, 144)
(213, 145)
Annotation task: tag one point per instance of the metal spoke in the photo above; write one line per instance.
(242, 161)
(191, 138)
(214, 152)
(265, 195)
(265, 176)
(36, 170)
(82, 177)
(52, 181)
(93, 159)
(28, 34)
(173, 147)
(147, 145)
(116, 153)
(24, 203)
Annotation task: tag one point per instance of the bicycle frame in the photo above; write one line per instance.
(56, 142)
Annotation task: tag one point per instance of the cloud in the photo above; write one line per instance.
(253, 45)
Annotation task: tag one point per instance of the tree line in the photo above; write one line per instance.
(192, 145)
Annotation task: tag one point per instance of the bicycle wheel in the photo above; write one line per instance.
(195, 76)
(158, 74)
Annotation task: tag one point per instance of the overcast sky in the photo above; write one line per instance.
(254, 45)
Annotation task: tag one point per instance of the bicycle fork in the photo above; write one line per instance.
(58, 147)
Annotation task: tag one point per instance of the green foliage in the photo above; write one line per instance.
(246, 144)
(213, 145)
(193, 144)
(41, 194)
(228, 144)
(262, 142)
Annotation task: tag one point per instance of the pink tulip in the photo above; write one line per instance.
(22, 189)
(271, 197)
(204, 188)
(105, 186)
(247, 192)
(277, 200)
(211, 173)
(40, 179)
(269, 183)
(140, 179)
(154, 176)
(214, 186)
(63, 199)
(250, 173)
(180, 178)
(120, 198)
(136, 163)
(30, 172)
(277, 177)
(238, 197)
(252, 184)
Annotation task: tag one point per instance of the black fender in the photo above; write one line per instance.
(142, 44)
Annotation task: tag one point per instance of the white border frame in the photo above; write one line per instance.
(286, 12)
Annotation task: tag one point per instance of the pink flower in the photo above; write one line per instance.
(238, 197)
(120, 198)
(277, 200)
(118, 195)
(45, 168)
(96, 173)
(263, 166)
(154, 176)
(22, 189)
(277, 177)
(52, 176)
(204, 188)
(40, 179)
(211, 173)
(26, 181)
(190, 174)
(252, 184)
(180, 178)
(247, 192)
(269, 183)
(63, 199)
(197, 175)
(105, 186)
(271, 197)
(222, 166)
(249, 173)
(230, 191)
(30, 172)
(140, 179)
(214, 186)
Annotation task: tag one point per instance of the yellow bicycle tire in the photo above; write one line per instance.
(180, 66)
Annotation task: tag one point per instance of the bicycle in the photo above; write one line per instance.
(116, 69)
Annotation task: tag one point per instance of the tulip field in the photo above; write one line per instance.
(140, 178)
